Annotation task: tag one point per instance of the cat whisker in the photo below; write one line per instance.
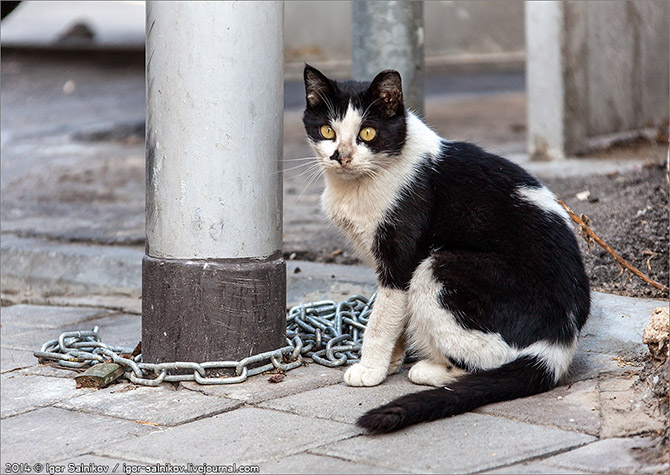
(297, 159)
(312, 179)
(311, 167)
(298, 166)
(307, 171)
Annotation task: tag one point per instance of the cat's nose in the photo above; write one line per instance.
(343, 159)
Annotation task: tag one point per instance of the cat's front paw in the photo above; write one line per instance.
(359, 375)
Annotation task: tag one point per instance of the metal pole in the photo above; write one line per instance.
(389, 35)
(213, 277)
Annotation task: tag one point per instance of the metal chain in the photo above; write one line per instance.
(328, 332)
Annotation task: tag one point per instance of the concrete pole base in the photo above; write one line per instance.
(237, 302)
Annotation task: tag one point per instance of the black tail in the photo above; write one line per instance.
(522, 377)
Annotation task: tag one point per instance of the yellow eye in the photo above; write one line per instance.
(367, 134)
(327, 132)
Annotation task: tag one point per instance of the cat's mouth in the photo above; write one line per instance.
(345, 170)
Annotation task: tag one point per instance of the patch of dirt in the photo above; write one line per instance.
(629, 211)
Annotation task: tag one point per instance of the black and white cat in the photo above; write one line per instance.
(478, 268)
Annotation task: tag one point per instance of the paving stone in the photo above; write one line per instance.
(114, 302)
(621, 384)
(22, 393)
(42, 267)
(162, 405)
(120, 330)
(465, 443)
(609, 456)
(310, 463)
(316, 281)
(246, 435)
(616, 324)
(257, 388)
(115, 330)
(51, 371)
(50, 434)
(344, 403)
(574, 407)
(535, 467)
(623, 409)
(30, 317)
(589, 365)
(15, 359)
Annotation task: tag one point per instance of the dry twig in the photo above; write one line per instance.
(591, 236)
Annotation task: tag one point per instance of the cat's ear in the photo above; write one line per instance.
(317, 86)
(386, 89)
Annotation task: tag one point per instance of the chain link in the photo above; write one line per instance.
(329, 333)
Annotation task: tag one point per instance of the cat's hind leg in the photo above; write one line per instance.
(434, 369)
(437, 333)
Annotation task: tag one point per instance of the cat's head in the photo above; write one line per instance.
(355, 128)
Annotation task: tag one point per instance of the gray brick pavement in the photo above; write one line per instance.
(165, 405)
(49, 435)
(244, 436)
(305, 423)
(461, 444)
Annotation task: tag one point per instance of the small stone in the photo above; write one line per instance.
(655, 334)
(69, 87)
(583, 196)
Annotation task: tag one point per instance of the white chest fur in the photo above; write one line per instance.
(357, 207)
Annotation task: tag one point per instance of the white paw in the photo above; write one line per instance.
(359, 375)
(432, 374)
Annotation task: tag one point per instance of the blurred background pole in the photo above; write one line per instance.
(213, 277)
(389, 35)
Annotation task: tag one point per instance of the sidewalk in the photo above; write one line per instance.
(305, 424)
(72, 243)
